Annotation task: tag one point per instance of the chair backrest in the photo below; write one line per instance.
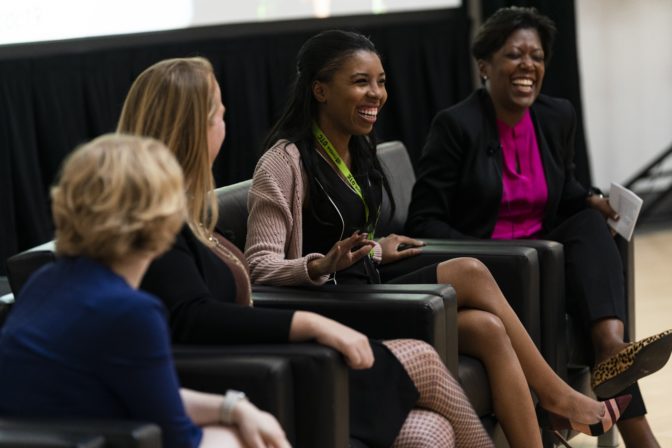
(232, 203)
(232, 199)
(401, 177)
(21, 266)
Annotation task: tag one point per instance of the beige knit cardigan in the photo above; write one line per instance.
(274, 241)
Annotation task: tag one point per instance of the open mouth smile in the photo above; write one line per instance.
(523, 85)
(369, 114)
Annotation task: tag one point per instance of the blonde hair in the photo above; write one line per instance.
(174, 102)
(116, 196)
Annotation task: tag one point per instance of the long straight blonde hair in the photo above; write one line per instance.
(174, 102)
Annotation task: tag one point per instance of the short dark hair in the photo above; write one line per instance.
(494, 32)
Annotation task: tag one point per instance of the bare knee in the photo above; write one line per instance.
(481, 325)
(462, 269)
(481, 332)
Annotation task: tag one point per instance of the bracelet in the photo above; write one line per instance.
(231, 399)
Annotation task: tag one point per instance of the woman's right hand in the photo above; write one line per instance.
(352, 344)
(341, 255)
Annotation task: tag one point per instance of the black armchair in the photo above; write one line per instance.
(39, 433)
(375, 309)
(267, 379)
(554, 324)
(562, 341)
(304, 385)
(389, 313)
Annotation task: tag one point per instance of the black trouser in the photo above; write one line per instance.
(594, 281)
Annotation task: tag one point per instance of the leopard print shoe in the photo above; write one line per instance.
(635, 361)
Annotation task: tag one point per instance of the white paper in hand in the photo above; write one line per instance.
(627, 204)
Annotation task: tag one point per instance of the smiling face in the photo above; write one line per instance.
(514, 74)
(350, 101)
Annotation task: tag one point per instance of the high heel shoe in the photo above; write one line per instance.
(635, 361)
(613, 410)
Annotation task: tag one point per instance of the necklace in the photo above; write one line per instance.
(224, 254)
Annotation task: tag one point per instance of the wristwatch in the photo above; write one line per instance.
(594, 191)
(231, 398)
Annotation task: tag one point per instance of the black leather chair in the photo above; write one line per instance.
(43, 433)
(522, 283)
(266, 379)
(397, 164)
(304, 385)
(517, 267)
(563, 342)
(388, 313)
(361, 302)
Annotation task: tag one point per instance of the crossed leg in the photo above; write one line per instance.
(441, 398)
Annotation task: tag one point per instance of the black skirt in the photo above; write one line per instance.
(380, 399)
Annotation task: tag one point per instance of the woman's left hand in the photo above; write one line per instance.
(392, 250)
(258, 428)
(601, 204)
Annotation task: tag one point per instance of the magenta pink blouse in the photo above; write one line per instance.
(524, 189)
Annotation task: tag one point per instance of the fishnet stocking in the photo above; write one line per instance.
(425, 429)
(439, 393)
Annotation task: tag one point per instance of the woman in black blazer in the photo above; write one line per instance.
(500, 165)
(459, 187)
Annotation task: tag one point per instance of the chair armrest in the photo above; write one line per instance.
(516, 270)
(627, 250)
(379, 315)
(72, 432)
(320, 387)
(21, 266)
(266, 380)
(447, 349)
(6, 303)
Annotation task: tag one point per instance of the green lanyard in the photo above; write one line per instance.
(343, 168)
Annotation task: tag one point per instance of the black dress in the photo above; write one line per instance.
(339, 212)
(199, 292)
(381, 397)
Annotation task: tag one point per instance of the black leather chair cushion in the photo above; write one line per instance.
(320, 386)
(266, 380)
(472, 377)
(76, 433)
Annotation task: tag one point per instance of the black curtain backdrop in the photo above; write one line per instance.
(562, 75)
(55, 96)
